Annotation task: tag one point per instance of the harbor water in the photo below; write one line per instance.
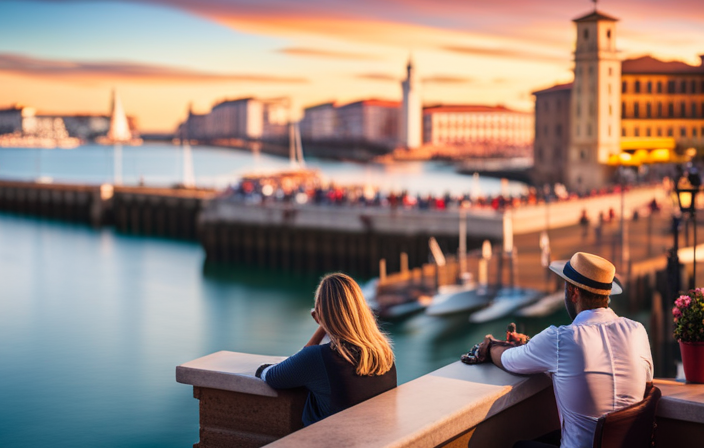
(93, 322)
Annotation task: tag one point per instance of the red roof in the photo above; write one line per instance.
(555, 88)
(374, 102)
(595, 16)
(650, 65)
(466, 108)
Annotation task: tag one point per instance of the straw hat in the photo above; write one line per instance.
(589, 272)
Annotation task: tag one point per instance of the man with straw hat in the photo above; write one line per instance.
(600, 363)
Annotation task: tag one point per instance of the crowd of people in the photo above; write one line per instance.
(310, 189)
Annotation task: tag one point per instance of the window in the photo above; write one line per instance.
(648, 112)
(659, 87)
(579, 110)
(683, 86)
(636, 110)
(586, 34)
(637, 87)
(683, 132)
(670, 86)
(610, 69)
(649, 87)
(623, 110)
(609, 87)
(670, 132)
(623, 132)
(659, 109)
(589, 130)
(647, 132)
(683, 109)
(623, 87)
(659, 132)
(694, 110)
(670, 110)
(694, 132)
(636, 131)
(608, 34)
(611, 110)
(558, 130)
(693, 86)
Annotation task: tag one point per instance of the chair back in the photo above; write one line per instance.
(630, 427)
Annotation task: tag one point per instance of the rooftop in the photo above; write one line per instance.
(374, 102)
(467, 108)
(595, 16)
(650, 65)
(555, 88)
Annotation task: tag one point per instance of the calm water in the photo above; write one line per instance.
(164, 165)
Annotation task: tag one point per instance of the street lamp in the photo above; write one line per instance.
(687, 188)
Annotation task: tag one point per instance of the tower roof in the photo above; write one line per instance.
(595, 16)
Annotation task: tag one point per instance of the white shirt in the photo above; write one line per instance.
(598, 364)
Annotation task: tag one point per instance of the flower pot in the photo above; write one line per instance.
(693, 361)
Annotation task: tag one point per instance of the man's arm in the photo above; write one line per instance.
(496, 351)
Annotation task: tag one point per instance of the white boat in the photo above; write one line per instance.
(458, 299)
(544, 306)
(506, 301)
(369, 292)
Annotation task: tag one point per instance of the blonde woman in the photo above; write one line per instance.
(357, 363)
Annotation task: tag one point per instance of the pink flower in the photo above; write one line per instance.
(676, 312)
(683, 301)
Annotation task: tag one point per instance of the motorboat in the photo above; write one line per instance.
(545, 306)
(506, 301)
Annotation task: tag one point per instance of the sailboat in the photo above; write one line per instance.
(119, 131)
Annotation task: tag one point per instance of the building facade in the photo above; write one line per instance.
(319, 122)
(371, 122)
(663, 99)
(483, 131)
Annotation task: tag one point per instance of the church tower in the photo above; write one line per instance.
(595, 103)
(410, 123)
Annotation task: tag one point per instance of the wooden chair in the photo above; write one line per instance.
(630, 427)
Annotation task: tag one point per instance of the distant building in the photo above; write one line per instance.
(614, 110)
(373, 122)
(12, 118)
(319, 122)
(410, 123)
(479, 130)
(663, 99)
(249, 119)
(88, 127)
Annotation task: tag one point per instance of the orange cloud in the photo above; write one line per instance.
(123, 71)
(317, 53)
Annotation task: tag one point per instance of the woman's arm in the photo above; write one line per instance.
(316, 338)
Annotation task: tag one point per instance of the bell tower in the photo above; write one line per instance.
(595, 104)
(410, 123)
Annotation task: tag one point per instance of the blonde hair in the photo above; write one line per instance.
(346, 318)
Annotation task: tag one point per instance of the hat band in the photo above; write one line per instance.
(579, 278)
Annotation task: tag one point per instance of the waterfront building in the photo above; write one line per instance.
(370, 122)
(636, 111)
(243, 119)
(410, 124)
(12, 118)
(479, 131)
(89, 126)
(319, 122)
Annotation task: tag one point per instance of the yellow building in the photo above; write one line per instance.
(633, 112)
(663, 99)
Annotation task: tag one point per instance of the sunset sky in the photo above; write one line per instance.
(66, 56)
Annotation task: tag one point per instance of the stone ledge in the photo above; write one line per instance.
(228, 371)
(681, 401)
(427, 411)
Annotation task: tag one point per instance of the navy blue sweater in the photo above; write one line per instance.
(332, 382)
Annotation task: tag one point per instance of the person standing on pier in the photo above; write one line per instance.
(356, 365)
(599, 364)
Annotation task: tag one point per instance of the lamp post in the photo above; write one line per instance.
(687, 188)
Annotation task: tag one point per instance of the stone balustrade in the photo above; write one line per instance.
(455, 406)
